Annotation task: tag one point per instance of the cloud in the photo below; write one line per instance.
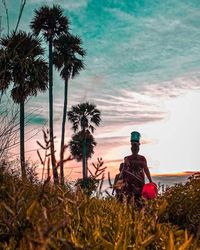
(69, 4)
(128, 107)
(36, 119)
(173, 88)
(117, 141)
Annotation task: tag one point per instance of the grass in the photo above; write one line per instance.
(36, 215)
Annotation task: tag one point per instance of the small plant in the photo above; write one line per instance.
(184, 204)
(94, 182)
(88, 185)
(45, 160)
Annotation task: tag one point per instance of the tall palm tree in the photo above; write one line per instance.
(23, 66)
(68, 55)
(51, 23)
(84, 116)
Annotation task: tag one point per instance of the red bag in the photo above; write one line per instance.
(149, 190)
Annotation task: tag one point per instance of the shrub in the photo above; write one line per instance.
(184, 204)
(88, 185)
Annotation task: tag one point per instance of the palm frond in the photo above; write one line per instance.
(49, 21)
(76, 145)
(22, 64)
(68, 55)
(84, 116)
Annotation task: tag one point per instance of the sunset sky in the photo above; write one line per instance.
(142, 72)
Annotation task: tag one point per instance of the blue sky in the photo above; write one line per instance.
(142, 72)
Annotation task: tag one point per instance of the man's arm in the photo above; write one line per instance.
(115, 181)
(147, 172)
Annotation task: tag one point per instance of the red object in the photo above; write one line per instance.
(149, 190)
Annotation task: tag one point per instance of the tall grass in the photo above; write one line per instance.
(42, 216)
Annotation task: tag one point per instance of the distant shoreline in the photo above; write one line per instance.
(186, 173)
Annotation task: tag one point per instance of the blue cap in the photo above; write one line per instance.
(135, 136)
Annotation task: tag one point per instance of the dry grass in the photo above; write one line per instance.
(42, 216)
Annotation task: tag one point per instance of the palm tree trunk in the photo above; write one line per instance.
(86, 163)
(22, 154)
(63, 133)
(84, 156)
(53, 161)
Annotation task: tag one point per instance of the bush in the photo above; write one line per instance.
(88, 185)
(184, 205)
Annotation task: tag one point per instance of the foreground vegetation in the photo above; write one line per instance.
(41, 216)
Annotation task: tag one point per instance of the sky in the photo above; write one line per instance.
(142, 72)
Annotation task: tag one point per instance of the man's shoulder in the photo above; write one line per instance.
(128, 157)
(141, 158)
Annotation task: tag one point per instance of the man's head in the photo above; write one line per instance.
(121, 167)
(135, 147)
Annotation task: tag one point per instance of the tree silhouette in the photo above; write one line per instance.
(51, 23)
(76, 145)
(84, 116)
(22, 65)
(68, 55)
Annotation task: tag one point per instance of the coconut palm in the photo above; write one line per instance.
(76, 145)
(68, 55)
(51, 23)
(23, 66)
(84, 116)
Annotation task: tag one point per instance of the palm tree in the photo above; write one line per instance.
(68, 56)
(76, 145)
(84, 116)
(51, 23)
(23, 66)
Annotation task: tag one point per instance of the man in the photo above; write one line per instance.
(118, 186)
(135, 170)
